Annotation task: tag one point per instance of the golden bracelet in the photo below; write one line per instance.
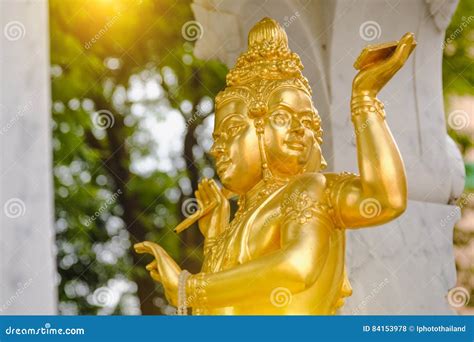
(197, 290)
(366, 104)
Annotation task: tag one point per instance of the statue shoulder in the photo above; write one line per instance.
(335, 182)
(304, 198)
(311, 183)
(319, 189)
(315, 182)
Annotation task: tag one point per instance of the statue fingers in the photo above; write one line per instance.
(142, 248)
(152, 266)
(199, 199)
(155, 249)
(407, 38)
(215, 189)
(212, 192)
(204, 197)
(402, 52)
(203, 207)
(223, 202)
(156, 276)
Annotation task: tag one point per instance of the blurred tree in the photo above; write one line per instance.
(458, 60)
(119, 70)
(458, 80)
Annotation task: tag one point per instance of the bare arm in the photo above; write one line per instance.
(297, 265)
(379, 194)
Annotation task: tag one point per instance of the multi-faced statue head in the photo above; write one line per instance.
(266, 126)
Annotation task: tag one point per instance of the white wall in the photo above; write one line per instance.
(27, 263)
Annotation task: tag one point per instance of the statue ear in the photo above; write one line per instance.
(315, 164)
(324, 164)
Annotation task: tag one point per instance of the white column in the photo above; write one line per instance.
(406, 266)
(27, 261)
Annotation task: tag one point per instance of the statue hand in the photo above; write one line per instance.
(370, 80)
(163, 269)
(217, 219)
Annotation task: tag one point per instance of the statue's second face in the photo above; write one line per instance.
(290, 142)
(235, 147)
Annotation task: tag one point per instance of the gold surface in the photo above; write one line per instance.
(283, 252)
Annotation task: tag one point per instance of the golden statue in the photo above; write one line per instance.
(283, 252)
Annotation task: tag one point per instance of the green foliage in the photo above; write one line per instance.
(458, 75)
(458, 80)
(100, 51)
(458, 66)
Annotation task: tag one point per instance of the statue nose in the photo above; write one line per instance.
(296, 125)
(216, 150)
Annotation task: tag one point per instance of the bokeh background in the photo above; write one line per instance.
(132, 116)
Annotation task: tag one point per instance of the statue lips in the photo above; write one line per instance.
(296, 145)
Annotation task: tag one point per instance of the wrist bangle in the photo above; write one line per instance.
(182, 280)
(197, 290)
(366, 104)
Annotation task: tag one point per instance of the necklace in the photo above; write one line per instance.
(219, 251)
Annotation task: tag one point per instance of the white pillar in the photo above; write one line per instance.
(406, 266)
(27, 261)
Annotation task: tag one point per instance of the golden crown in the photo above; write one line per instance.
(268, 64)
(268, 57)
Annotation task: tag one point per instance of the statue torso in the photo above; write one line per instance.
(255, 232)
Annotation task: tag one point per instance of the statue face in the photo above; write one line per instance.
(235, 147)
(290, 143)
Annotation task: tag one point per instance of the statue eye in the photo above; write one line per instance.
(307, 122)
(280, 119)
(234, 129)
